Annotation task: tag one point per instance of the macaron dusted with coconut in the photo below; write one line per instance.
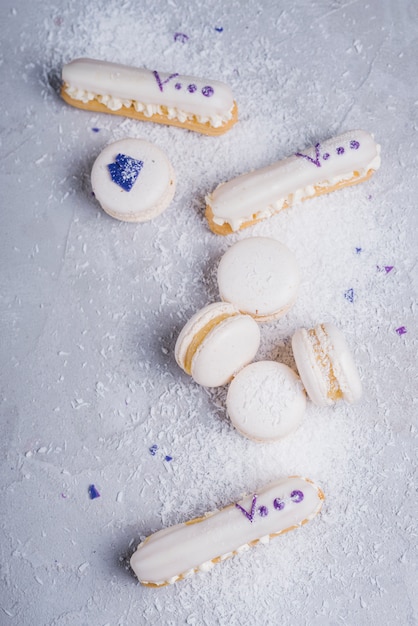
(260, 276)
(266, 401)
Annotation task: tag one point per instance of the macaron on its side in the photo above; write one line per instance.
(343, 364)
(260, 276)
(216, 343)
(133, 180)
(313, 373)
(266, 401)
(325, 365)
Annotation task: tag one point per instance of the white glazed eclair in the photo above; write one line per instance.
(205, 106)
(178, 552)
(345, 160)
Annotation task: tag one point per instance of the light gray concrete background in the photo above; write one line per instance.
(90, 309)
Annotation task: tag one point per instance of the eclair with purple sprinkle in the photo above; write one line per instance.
(202, 105)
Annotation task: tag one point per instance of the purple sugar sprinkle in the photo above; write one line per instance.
(181, 37)
(326, 156)
(207, 91)
(340, 150)
(177, 86)
(316, 160)
(388, 268)
(96, 130)
(278, 504)
(125, 171)
(349, 295)
(160, 82)
(263, 511)
(354, 145)
(297, 496)
(219, 29)
(191, 88)
(168, 458)
(401, 330)
(358, 250)
(153, 449)
(248, 515)
(93, 493)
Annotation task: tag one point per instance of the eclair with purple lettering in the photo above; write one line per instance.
(345, 160)
(201, 105)
(180, 551)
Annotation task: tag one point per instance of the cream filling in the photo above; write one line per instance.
(115, 104)
(319, 342)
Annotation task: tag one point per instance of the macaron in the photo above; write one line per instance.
(133, 180)
(326, 365)
(266, 401)
(216, 343)
(260, 276)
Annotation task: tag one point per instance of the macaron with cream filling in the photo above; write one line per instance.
(260, 276)
(326, 365)
(133, 180)
(266, 401)
(216, 343)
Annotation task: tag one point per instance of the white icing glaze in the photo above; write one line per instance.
(260, 276)
(116, 85)
(316, 352)
(263, 192)
(151, 193)
(174, 552)
(230, 345)
(266, 401)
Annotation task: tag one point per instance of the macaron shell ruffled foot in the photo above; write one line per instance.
(216, 343)
(326, 365)
(260, 276)
(133, 180)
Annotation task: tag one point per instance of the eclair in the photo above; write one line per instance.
(345, 160)
(201, 105)
(180, 551)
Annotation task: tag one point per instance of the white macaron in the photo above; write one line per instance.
(133, 180)
(266, 401)
(216, 343)
(260, 276)
(326, 365)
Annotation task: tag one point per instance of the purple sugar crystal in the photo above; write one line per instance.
(125, 171)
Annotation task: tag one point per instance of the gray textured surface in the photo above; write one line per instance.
(90, 309)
